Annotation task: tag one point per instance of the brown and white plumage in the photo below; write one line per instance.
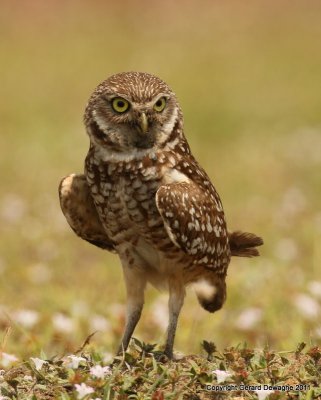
(80, 211)
(144, 196)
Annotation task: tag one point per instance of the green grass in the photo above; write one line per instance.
(144, 373)
(248, 79)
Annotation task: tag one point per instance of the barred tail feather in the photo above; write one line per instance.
(243, 244)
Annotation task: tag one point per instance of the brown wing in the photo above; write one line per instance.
(194, 223)
(80, 212)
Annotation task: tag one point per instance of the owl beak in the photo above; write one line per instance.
(143, 123)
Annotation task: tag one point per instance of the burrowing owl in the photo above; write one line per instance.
(144, 196)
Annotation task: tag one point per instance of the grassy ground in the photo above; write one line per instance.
(248, 78)
(143, 373)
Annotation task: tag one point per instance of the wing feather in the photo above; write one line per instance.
(80, 211)
(194, 223)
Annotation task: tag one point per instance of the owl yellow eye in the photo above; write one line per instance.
(160, 104)
(120, 105)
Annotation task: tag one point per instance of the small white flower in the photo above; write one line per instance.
(263, 393)
(62, 323)
(82, 390)
(315, 288)
(249, 318)
(27, 318)
(74, 361)
(307, 306)
(107, 358)
(99, 323)
(7, 359)
(38, 362)
(100, 372)
(221, 375)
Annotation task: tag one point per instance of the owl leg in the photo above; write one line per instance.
(175, 303)
(135, 285)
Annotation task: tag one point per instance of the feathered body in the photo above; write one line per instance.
(145, 197)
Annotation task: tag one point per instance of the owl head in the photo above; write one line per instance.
(132, 111)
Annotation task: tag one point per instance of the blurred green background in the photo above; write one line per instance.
(248, 77)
